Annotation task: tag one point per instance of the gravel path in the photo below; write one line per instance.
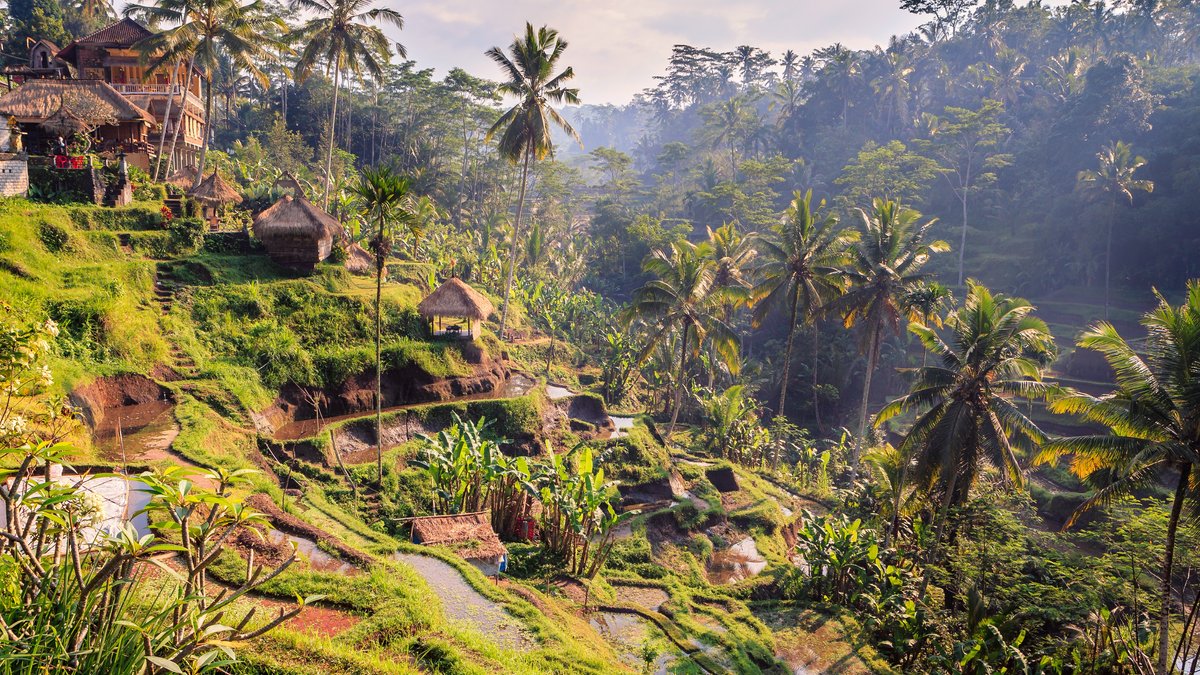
(465, 605)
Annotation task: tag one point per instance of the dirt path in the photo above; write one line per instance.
(465, 605)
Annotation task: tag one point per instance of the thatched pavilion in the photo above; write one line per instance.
(297, 233)
(455, 300)
(183, 179)
(214, 193)
(469, 534)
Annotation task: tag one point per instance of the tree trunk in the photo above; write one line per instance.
(208, 100)
(898, 496)
(872, 358)
(1164, 618)
(1112, 209)
(815, 385)
(787, 355)
(380, 263)
(512, 255)
(337, 72)
(162, 136)
(679, 382)
(187, 88)
(962, 245)
(944, 515)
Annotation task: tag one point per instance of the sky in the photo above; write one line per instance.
(618, 46)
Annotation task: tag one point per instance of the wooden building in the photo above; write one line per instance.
(46, 108)
(297, 233)
(112, 55)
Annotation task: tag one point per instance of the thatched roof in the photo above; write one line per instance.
(469, 534)
(40, 99)
(287, 181)
(184, 178)
(358, 261)
(215, 190)
(456, 299)
(295, 216)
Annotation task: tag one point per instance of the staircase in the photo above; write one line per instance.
(175, 204)
(165, 287)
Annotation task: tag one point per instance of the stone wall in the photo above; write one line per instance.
(14, 174)
(66, 185)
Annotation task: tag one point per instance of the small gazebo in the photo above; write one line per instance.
(458, 301)
(213, 192)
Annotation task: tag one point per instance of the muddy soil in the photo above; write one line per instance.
(356, 396)
(106, 394)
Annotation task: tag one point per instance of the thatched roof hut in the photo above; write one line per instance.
(215, 190)
(185, 178)
(38, 100)
(297, 233)
(456, 300)
(469, 534)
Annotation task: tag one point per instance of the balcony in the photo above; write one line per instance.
(152, 89)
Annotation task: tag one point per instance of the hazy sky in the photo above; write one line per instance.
(617, 46)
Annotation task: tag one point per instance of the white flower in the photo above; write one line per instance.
(50, 327)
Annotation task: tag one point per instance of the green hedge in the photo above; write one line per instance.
(135, 217)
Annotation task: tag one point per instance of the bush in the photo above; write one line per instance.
(338, 255)
(187, 234)
(136, 217)
(53, 237)
(152, 244)
(149, 192)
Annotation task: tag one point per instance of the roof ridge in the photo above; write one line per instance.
(114, 24)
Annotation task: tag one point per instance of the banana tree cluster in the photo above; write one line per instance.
(470, 474)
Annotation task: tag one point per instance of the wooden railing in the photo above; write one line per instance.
(158, 90)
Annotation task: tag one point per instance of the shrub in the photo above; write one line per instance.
(53, 237)
(338, 254)
(187, 234)
(152, 244)
(149, 192)
(135, 217)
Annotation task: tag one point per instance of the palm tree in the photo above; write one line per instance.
(800, 268)
(525, 128)
(207, 30)
(340, 37)
(727, 123)
(965, 416)
(884, 266)
(791, 65)
(682, 299)
(1154, 418)
(731, 254)
(926, 302)
(385, 201)
(1113, 179)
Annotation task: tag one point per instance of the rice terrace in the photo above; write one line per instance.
(692, 338)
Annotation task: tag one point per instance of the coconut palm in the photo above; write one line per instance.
(340, 36)
(1113, 179)
(683, 299)
(208, 30)
(385, 201)
(926, 302)
(525, 128)
(731, 254)
(800, 269)
(885, 265)
(965, 418)
(727, 124)
(1154, 419)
